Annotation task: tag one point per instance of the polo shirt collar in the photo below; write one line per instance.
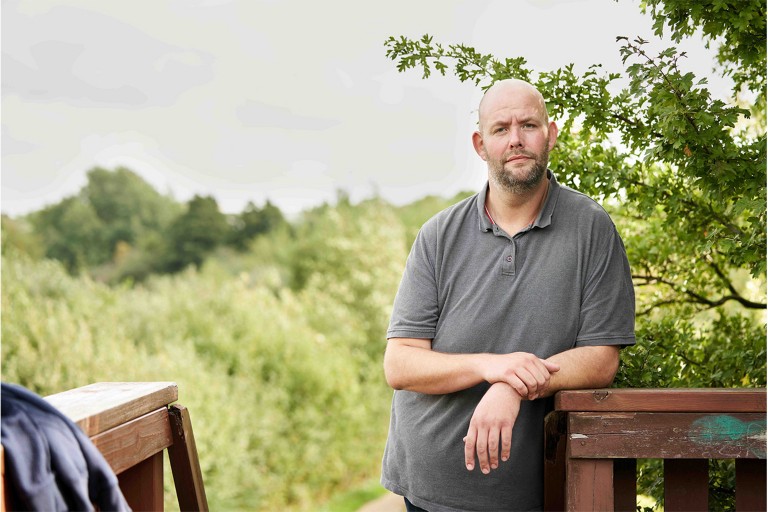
(545, 216)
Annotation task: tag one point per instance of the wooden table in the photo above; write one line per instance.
(594, 437)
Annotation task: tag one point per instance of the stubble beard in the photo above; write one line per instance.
(512, 182)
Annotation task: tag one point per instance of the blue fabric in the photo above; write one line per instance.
(50, 464)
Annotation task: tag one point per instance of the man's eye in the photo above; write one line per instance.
(499, 130)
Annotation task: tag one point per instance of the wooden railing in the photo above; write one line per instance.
(594, 437)
(132, 423)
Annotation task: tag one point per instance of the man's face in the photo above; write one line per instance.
(514, 138)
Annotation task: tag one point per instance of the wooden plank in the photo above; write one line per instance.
(666, 435)
(185, 466)
(130, 443)
(750, 485)
(103, 405)
(142, 485)
(625, 485)
(686, 485)
(589, 485)
(662, 400)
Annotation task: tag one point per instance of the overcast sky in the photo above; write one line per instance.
(249, 100)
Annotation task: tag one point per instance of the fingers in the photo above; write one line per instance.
(486, 446)
(506, 443)
(530, 375)
(469, 448)
(493, 450)
(529, 380)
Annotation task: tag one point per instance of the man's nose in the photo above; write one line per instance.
(515, 141)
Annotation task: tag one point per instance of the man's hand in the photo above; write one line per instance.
(524, 372)
(492, 422)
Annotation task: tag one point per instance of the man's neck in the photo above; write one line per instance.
(512, 211)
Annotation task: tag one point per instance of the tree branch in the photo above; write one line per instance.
(695, 298)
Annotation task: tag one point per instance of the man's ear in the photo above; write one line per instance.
(477, 142)
(552, 135)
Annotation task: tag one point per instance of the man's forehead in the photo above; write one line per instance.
(512, 98)
(514, 113)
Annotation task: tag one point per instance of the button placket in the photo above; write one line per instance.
(508, 260)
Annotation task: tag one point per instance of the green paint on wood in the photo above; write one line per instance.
(728, 432)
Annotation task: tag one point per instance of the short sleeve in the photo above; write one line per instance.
(608, 297)
(416, 311)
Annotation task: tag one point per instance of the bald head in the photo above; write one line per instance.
(501, 93)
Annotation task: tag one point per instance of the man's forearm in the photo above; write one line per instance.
(583, 368)
(412, 365)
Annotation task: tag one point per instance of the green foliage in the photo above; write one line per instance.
(196, 233)
(678, 352)
(72, 233)
(111, 228)
(254, 221)
(120, 229)
(127, 205)
(284, 385)
(738, 28)
(18, 235)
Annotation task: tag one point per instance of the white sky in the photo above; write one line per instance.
(249, 100)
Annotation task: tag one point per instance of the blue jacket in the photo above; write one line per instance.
(50, 464)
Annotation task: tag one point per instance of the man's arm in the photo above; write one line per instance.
(411, 364)
(490, 429)
(584, 368)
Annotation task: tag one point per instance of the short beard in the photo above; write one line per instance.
(509, 182)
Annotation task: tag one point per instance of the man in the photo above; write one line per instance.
(507, 297)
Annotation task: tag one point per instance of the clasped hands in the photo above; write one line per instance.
(514, 377)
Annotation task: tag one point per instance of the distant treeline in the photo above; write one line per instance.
(118, 228)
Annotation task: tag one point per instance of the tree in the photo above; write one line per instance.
(740, 24)
(128, 206)
(195, 233)
(686, 186)
(254, 221)
(72, 233)
(115, 209)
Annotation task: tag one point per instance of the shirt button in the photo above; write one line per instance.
(509, 259)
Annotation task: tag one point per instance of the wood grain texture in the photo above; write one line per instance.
(129, 444)
(666, 435)
(185, 465)
(103, 405)
(589, 485)
(662, 400)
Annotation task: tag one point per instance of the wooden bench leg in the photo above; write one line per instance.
(142, 484)
(185, 465)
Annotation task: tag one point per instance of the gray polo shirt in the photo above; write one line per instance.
(472, 288)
